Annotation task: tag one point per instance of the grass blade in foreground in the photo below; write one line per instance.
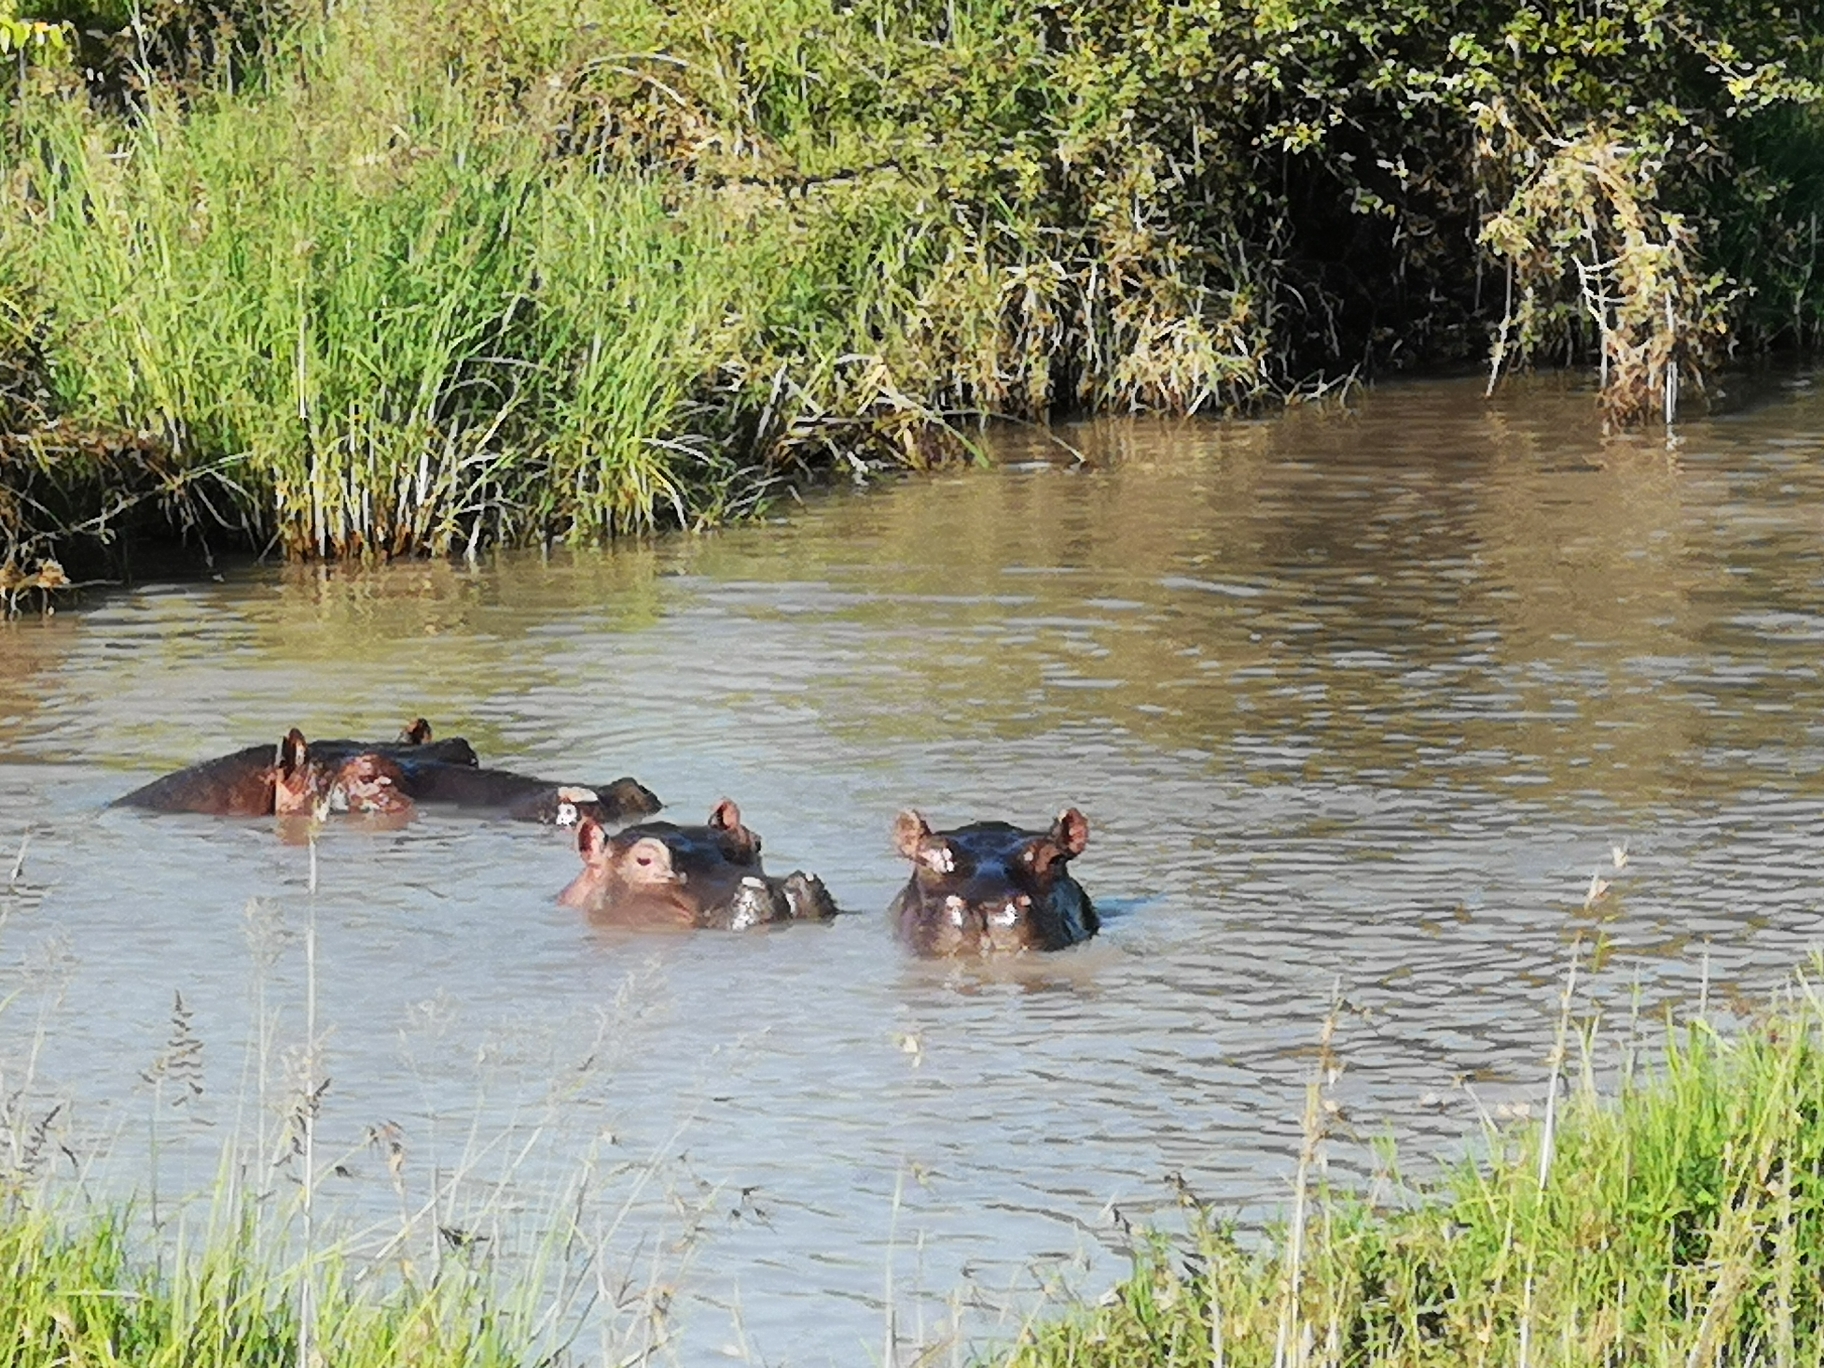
(1681, 1222)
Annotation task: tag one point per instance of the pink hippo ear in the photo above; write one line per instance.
(913, 838)
(591, 840)
(292, 752)
(909, 832)
(1071, 831)
(294, 787)
(647, 860)
(416, 734)
(739, 843)
(1066, 839)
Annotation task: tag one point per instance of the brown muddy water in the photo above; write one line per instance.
(1355, 698)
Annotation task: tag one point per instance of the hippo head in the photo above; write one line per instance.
(992, 887)
(368, 783)
(662, 874)
(606, 804)
(305, 783)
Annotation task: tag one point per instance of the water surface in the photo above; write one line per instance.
(1356, 700)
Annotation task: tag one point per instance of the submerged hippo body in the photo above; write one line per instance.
(992, 887)
(527, 799)
(415, 746)
(291, 779)
(660, 874)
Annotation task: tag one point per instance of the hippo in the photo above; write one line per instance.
(659, 874)
(992, 887)
(290, 779)
(527, 799)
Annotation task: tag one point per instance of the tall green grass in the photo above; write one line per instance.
(1675, 1219)
(393, 349)
(394, 275)
(391, 325)
(85, 1291)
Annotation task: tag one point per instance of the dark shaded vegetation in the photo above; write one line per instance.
(394, 277)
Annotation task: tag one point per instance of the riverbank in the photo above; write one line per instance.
(1679, 1219)
(1677, 1215)
(374, 278)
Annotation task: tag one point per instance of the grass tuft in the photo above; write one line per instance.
(1679, 1219)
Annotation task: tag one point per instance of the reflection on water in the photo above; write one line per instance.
(1355, 700)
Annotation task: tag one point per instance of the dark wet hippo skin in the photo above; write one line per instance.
(292, 778)
(992, 887)
(525, 798)
(415, 745)
(659, 874)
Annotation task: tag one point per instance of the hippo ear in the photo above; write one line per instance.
(1071, 832)
(910, 831)
(416, 734)
(292, 751)
(923, 846)
(726, 816)
(591, 840)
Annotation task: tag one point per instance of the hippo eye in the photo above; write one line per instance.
(566, 814)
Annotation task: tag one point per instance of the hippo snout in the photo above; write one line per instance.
(796, 897)
(808, 898)
(756, 901)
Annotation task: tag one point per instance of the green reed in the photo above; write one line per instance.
(1678, 1218)
(392, 276)
(81, 1291)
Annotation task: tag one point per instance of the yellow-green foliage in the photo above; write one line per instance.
(32, 39)
(78, 1292)
(403, 275)
(1678, 1222)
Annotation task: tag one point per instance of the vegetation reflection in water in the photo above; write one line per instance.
(1299, 592)
(1365, 693)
